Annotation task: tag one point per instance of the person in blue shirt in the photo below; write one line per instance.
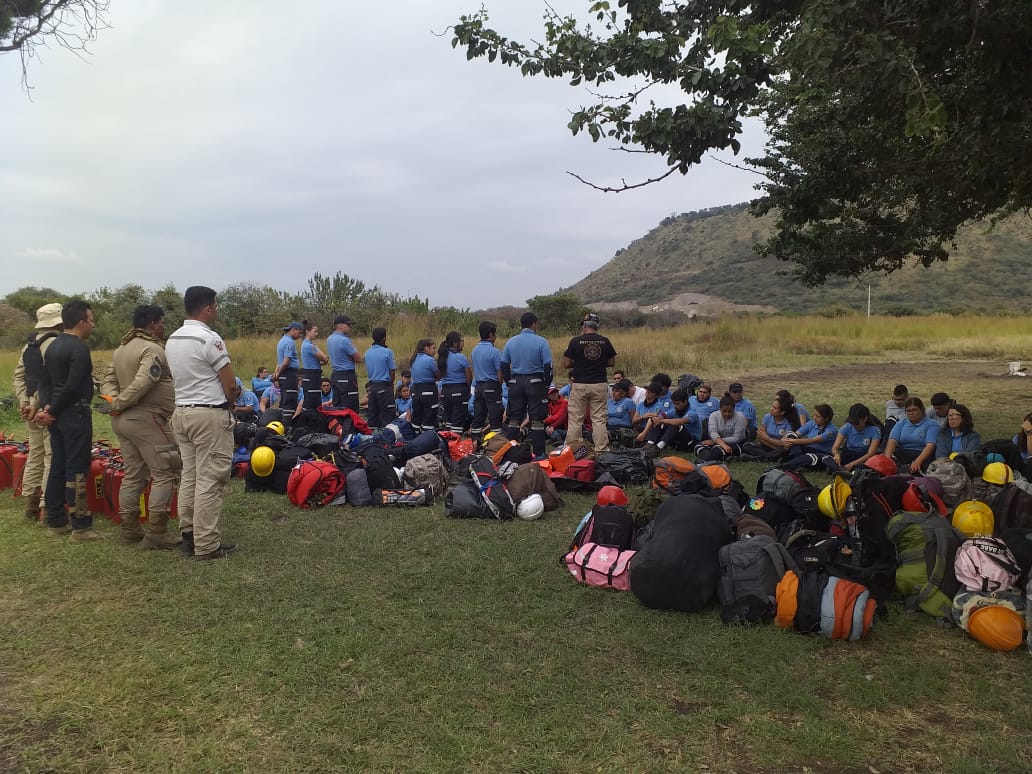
(744, 406)
(858, 439)
(343, 357)
(620, 415)
(801, 412)
(666, 404)
(679, 430)
(312, 359)
(261, 381)
(403, 403)
(425, 374)
(286, 371)
(776, 424)
(912, 440)
(703, 403)
(813, 442)
(487, 382)
(325, 392)
(456, 376)
(959, 434)
(567, 388)
(246, 407)
(381, 369)
(649, 410)
(526, 363)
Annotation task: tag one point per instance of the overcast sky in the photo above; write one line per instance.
(217, 143)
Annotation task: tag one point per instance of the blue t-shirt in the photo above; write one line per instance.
(810, 430)
(455, 370)
(486, 359)
(565, 389)
(286, 349)
(666, 406)
(403, 406)
(424, 369)
(340, 350)
(249, 399)
(527, 353)
(914, 437)
(379, 362)
(619, 412)
(308, 358)
(859, 440)
(703, 408)
(260, 385)
(746, 408)
(693, 425)
(326, 398)
(774, 428)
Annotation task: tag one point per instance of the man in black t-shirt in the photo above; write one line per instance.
(587, 357)
(66, 390)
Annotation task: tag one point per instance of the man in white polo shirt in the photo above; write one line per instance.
(206, 389)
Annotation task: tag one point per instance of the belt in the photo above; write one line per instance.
(203, 405)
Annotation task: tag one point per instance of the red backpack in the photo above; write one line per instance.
(313, 483)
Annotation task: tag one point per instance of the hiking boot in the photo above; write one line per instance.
(153, 541)
(59, 531)
(219, 553)
(86, 535)
(130, 538)
(186, 544)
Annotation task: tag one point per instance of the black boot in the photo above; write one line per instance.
(537, 441)
(187, 545)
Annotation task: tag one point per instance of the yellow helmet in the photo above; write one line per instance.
(277, 427)
(973, 517)
(998, 473)
(832, 499)
(263, 460)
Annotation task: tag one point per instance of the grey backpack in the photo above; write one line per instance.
(956, 486)
(426, 472)
(356, 488)
(750, 570)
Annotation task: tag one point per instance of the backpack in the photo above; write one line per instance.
(873, 503)
(408, 498)
(967, 602)
(986, 564)
(426, 471)
(426, 442)
(956, 484)
(32, 360)
(749, 573)
(582, 470)
(627, 466)
(464, 501)
(689, 383)
(817, 603)
(313, 483)
(925, 547)
(1011, 508)
(484, 474)
(356, 486)
(791, 488)
(531, 479)
(321, 444)
(379, 468)
(342, 421)
(601, 566)
(669, 472)
(606, 525)
(822, 552)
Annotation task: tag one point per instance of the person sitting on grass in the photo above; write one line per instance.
(1023, 438)
(858, 439)
(804, 415)
(744, 406)
(620, 415)
(727, 429)
(703, 404)
(812, 444)
(939, 410)
(403, 402)
(649, 410)
(895, 410)
(959, 434)
(782, 419)
(680, 430)
(912, 442)
(555, 420)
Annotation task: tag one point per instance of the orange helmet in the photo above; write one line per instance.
(611, 495)
(997, 627)
(881, 463)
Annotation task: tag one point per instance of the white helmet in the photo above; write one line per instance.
(531, 507)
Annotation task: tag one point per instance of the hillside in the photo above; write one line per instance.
(704, 261)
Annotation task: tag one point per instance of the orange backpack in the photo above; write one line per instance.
(670, 471)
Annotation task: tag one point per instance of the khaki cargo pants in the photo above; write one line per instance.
(205, 438)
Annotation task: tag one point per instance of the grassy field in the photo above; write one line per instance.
(384, 640)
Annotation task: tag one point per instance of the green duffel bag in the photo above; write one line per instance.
(925, 546)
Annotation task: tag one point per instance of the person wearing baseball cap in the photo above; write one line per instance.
(587, 357)
(287, 369)
(343, 357)
(27, 374)
(744, 406)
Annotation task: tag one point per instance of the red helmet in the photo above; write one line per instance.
(882, 463)
(611, 495)
(920, 499)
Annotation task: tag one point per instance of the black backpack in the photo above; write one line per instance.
(1012, 508)
(875, 500)
(608, 525)
(626, 466)
(32, 360)
(379, 468)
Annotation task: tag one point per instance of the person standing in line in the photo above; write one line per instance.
(138, 386)
(456, 375)
(424, 387)
(28, 374)
(66, 392)
(526, 364)
(487, 382)
(343, 357)
(312, 360)
(380, 368)
(287, 370)
(205, 388)
(587, 357)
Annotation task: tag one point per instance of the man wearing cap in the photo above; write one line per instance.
(66, 390)
(487, 382)
(27, 375)
(587, 357)
(381, 370)
(343, 356)
(138, 386)
(526, 364)
(205, 388)
(288, 369)
(745, 407)
(556, 420)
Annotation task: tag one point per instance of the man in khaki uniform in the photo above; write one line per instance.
(203, 422)
(138, 385)
(26, 386)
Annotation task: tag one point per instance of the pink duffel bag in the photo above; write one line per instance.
(602, 566)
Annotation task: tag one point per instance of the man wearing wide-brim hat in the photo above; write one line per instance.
(25, 384)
